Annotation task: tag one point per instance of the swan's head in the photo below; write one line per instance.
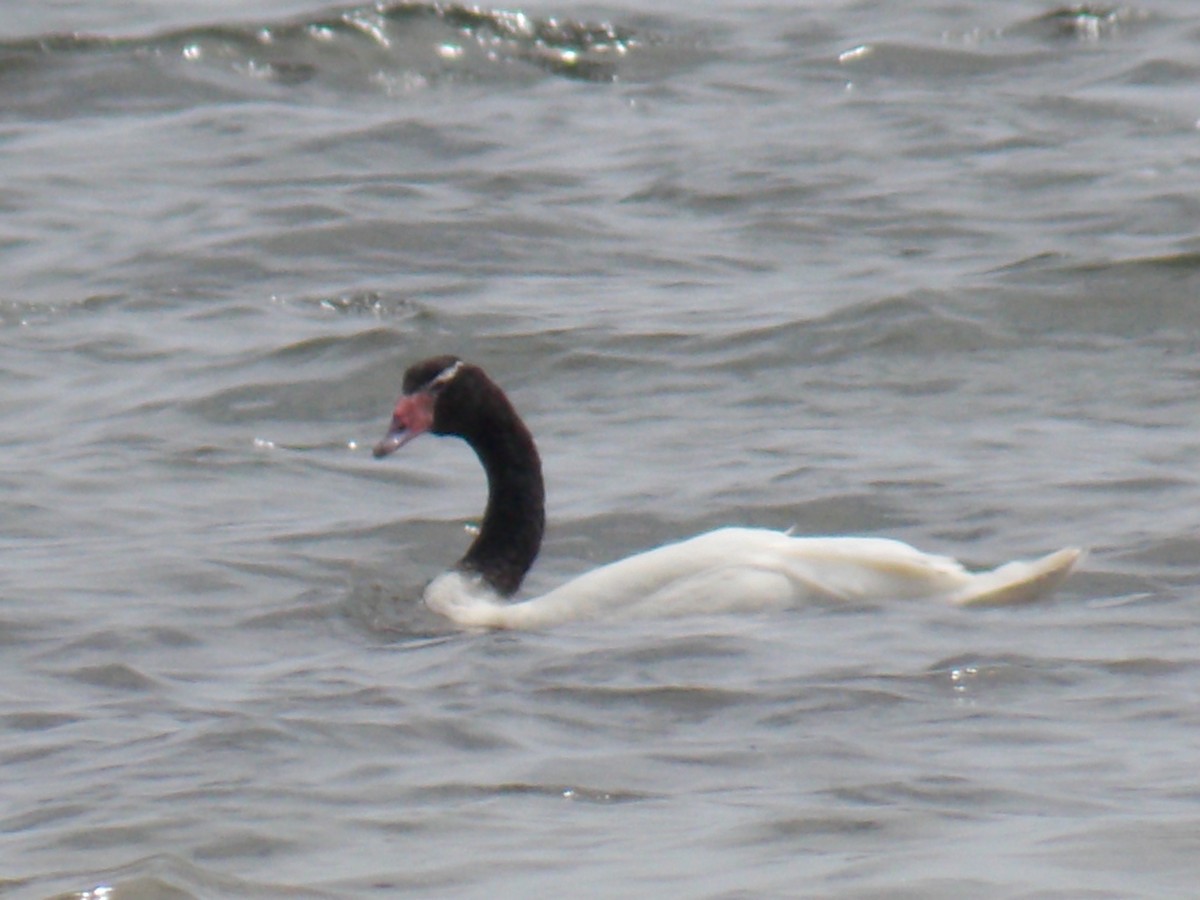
(446, 396)
(416, 411)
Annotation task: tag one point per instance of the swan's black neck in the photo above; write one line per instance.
(472, 407)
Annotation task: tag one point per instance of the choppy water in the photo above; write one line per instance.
(926, 271)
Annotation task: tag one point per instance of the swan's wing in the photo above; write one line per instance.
(866, 570)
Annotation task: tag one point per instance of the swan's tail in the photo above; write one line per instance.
(1019, 582)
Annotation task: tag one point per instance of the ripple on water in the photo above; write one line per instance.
(114, 676)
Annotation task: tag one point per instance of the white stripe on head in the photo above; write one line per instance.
(444, 377)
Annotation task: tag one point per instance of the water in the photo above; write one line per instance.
(924, 271)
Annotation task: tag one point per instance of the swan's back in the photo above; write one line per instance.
(748, 569)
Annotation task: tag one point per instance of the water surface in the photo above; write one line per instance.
(927, 272)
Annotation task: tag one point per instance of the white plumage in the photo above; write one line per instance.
(746, 570)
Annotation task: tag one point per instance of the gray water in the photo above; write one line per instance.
(928, 271)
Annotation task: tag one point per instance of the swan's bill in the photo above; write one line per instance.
(412, 418)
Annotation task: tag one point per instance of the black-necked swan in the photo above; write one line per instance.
(724, 570)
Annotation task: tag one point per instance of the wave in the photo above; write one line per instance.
(1146, 297)
(1082, 22)
(382, 47)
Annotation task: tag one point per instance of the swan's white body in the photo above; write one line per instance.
(749, 569)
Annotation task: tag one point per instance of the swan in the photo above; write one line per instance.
(729, 569)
